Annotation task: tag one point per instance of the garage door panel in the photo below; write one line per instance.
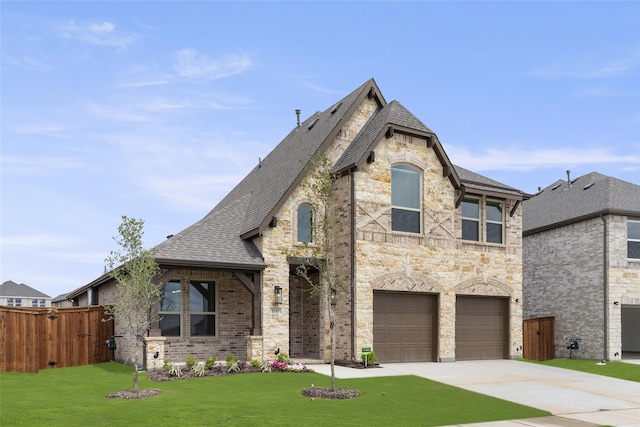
(481, 328)
(404, 326)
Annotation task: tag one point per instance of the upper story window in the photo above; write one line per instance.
(633, 239)
(305, 223)
(170, 309)
(202, 308)
(475, 208)
(34, 303)
(406, 198)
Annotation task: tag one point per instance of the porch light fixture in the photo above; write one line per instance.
(277, 292)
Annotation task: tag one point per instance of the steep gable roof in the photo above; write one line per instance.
(220, 238)
(12, 289)
(587, 197)
(391, 118)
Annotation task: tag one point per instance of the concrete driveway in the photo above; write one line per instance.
(575, 399)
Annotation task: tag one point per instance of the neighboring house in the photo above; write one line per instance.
(61, 301)
(581, 262)
(432, 252)
(20, 295)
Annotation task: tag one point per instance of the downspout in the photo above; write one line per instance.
(605, 285)
(353, 266)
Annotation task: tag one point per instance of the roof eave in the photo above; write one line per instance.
(600, 213)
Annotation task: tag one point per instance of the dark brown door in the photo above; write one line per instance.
(482, 328)
(404, 327)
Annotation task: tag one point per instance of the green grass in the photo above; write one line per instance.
(621, 370)
(77, 396)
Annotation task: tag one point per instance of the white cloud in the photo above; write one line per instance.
(192, 64)
(16, 165)
(515, 159)
(96, 33)
(588, 68)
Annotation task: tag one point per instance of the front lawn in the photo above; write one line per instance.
(621, 370)
(76, 396)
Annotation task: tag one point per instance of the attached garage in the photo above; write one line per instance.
(404, 326)
(482, 328)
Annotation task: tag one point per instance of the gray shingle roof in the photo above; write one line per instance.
(216, 239)
(12, 289)
(475, 181)
(588, 196)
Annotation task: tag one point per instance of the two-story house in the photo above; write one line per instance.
(581, 244)
(14, 294)
(430, 252)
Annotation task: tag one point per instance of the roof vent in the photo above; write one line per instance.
(313, 123)
(333, 111)
(555, 186)
(298, 117)
(588, 186)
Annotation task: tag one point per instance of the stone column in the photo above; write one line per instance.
(154, 353)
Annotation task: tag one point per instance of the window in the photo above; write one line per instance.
(18, 302)
(169, 310)
(493, 220)
(202, 306)
(633, 239)
(406, 199)
(42, 303)
(10, 302)
(305, 223)
(470, 219)
(34, 303)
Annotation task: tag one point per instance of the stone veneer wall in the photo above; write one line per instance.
(276, 243)
(436, 260)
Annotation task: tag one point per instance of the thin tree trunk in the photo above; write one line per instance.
(135, 378)
(332, 337)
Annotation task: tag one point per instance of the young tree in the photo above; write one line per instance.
(319, 189)
(137, 295)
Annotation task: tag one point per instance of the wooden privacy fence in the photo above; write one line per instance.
(38, 338)
(538, 339)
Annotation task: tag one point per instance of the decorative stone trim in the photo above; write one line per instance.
(482, 285)
(406, 281)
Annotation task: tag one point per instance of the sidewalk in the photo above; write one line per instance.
(576, 399)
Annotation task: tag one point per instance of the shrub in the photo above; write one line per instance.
(166, 365)
(370, 358)
(198, 370)
(265, 366)
(283, 358)
(190, 362)
(210, 362)
(174, 370)
(255, 363)
(232, 363)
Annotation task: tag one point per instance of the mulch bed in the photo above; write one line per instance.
(327, 393)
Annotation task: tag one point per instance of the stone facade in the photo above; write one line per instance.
(565, 274)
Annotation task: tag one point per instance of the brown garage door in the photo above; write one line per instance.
(482, 328)
(404, 327)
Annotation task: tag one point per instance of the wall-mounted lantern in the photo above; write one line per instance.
(277, 292)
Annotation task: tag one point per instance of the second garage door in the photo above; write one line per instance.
(404, 326)
(482, 328)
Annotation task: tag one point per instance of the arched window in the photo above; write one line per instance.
(305, 223)
(406, 198)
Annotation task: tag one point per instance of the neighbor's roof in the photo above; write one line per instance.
(12, 289)
(588, 196)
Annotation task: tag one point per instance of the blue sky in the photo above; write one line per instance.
(155, 110)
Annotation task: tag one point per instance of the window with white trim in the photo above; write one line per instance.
(471, 219)
(170, 309)
(305, 223)
(202, 308)
(494, 215)
(633, 239)
(406, 199)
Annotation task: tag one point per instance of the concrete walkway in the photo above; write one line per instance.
(576, 399)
